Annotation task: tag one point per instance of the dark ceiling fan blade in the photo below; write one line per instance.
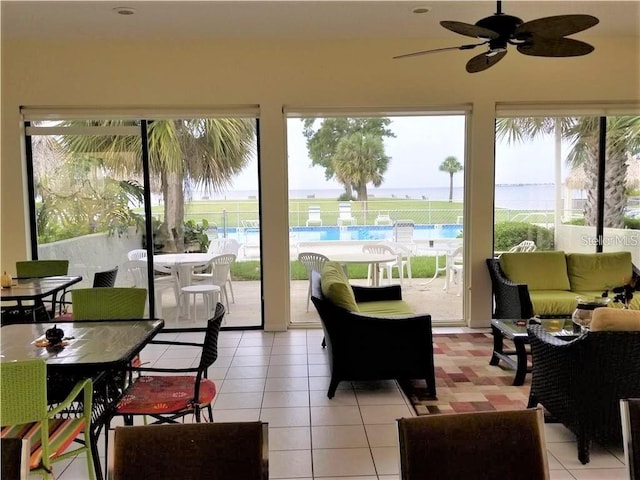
(469, 30)
(557, 26)
(434, 50)
(555, 47)
(483, 61)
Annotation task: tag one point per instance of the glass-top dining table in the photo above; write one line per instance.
(100, 350)
(34, 290)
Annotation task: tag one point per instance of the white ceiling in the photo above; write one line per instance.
(285, 19)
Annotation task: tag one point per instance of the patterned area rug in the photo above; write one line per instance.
(465, 381)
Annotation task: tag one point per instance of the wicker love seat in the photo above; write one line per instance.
(370, 332)
(549, 283)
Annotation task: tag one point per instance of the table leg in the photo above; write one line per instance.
(375, 275)
(521, 359)
(498, 346)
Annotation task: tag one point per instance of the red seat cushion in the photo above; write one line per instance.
(62, 432)
(164, 394)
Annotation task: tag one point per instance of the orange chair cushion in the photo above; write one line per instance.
(62, 432)
(164, 394)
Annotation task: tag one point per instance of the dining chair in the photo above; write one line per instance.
(108, 303)
(454, 270)
(105, 278)
(489, 445)
(216, 451)
(312, 261)
(137, 270)
(14, 463)
(45, 268)
(218, 274)
(387, 267)
(630, 417)
(137, 254)
(25, 413)
(170, 395)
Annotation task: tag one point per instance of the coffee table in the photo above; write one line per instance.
(516, 331)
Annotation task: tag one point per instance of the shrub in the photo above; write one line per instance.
(509, 234)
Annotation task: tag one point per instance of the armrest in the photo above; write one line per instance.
(85, 386)
(635, 277)
(511, 299)
(373, 294)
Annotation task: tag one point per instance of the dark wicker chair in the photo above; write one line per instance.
(105, 279)
(374, 348)
(511, 299)
(581, 382)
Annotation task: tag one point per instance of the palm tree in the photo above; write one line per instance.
(451, 165)
(359, 159)
(623, 141)
(206, 153)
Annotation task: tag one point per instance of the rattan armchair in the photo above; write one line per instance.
(25, 410)
(511, 299)
(581, 382)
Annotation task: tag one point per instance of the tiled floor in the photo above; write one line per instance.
(282, 378)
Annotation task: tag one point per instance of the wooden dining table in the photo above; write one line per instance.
(35, 290)
(100, 350)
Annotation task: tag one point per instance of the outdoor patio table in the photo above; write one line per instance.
(35, 290)
(373, 259)
(100, 350)
(182, 264)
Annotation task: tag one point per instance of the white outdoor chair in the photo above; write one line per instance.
(137, 254)
(387, 267)
(344, 214)
(312, 261)
(137, 269)
(403, 234)
(220, 246)
(314, 216)
(383, 219)
(454, 270)
(218, 275)
(524, 246)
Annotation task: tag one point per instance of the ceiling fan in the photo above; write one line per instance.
(543, 37)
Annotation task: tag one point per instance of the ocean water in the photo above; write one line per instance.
(536, 197)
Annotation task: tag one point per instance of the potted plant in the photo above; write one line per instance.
(195, 236)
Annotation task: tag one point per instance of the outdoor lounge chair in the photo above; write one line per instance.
(344, 214)
(314, 216)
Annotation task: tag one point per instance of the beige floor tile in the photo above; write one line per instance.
(257, 350)
(386, 460)
(242, 385)
(560, 475)
(287, 371)
(386, 397)
(339, 436)
(556, 432)
(347, 415)
(600, 474)
(342, 462)
(319, 370)
(290, 464)
(298, 398)
(289, 350)
(286, 417)
(250, 361)
(567, 455)
(372, 414)
(247, 372)
(236, 415)
(227, 401)
(383, 435)
(317, 359)
(289, 438)
(288, 359)
(319, 398)
(276, 384)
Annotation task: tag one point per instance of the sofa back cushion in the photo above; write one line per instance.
(335, 287)
(614, 319)
(599, 271)
(538, 270)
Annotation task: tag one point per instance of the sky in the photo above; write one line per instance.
(420, 146)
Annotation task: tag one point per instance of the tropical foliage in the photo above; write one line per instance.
(183, 154)
(351, 150)
(451, 165)
(582, 133)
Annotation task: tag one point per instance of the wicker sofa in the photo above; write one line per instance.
(581, 382)
(548, 284)
(391, 344)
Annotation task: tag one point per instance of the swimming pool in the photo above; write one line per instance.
(351, 232)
